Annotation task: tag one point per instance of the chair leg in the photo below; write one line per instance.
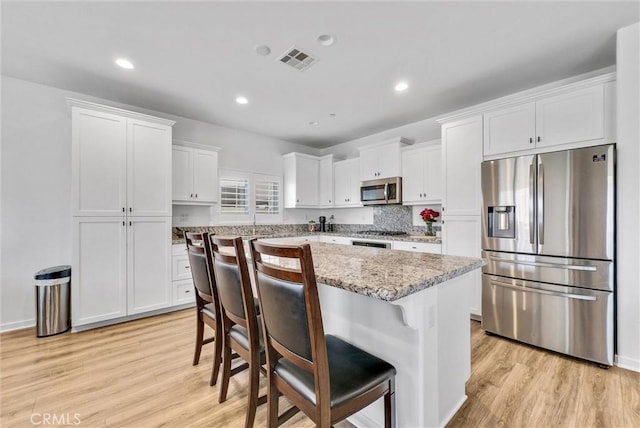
(199, 337)
(390, 406)
(217, 356)
(226, 372)
(272, 404)
(254, 379)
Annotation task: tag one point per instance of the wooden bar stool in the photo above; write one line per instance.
(324, 376)
(207, 302)
(239, 318)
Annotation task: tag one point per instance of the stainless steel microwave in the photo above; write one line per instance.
(381, 192)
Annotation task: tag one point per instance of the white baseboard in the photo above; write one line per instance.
(628, 363)
(453, 412)
(18, 325)
(362, 421)
(83, 327)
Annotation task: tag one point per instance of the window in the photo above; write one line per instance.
(267, 196)
(247, 196)
(234, 196)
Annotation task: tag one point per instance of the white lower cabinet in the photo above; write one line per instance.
(461, 237)
(342, 240)
(182, 281)
(121, 266)
(418, 247)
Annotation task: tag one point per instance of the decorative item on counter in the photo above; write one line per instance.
(429, 216)
(312, 226)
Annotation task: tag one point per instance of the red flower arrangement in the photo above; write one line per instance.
(429, 215)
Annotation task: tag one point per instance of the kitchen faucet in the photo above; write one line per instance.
(254, 224)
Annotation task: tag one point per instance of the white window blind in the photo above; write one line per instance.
(234, 196)
(267, 196)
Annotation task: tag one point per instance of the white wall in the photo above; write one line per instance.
(36, 182)
(418, 132)
(628, 243)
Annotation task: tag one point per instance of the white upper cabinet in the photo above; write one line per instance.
(381, 160)
(148, 168)
(195, 175)
(569, 117)
(121, 162)
(325, 184)
(510, 129)
(461, 158)
(346, 183)
(422, 175)
(301, 176)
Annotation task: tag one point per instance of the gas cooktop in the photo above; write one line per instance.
(383, 232)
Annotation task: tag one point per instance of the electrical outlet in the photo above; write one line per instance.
(184, 217)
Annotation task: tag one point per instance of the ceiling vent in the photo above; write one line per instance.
(298, 59)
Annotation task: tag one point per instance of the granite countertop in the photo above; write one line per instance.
(409, 238)
(382, 273)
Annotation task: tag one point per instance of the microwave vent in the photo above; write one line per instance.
(298, 58)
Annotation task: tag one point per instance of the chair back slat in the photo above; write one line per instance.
(233, 282)
(289, 303)
(199, 264)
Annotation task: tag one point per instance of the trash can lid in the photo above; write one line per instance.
(55, 272)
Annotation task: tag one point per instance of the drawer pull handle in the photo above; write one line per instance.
(187, 267)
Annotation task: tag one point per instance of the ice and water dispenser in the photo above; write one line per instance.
(501, 221)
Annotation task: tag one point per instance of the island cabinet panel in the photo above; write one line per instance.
(426, 338)
(301, 175)
(181, 279)
(419, 247)
(195, 175)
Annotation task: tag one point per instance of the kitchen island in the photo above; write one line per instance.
(412, 309)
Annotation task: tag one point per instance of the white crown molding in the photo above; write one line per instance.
(303, 155)
(400, 140)
(554, 88)
(74, 102)
(183, 143)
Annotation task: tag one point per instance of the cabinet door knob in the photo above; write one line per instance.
(122, 209)
(123, 223)
(191, 195)
(196, 196)
(130, 224)
(130, 209)
(539, 139)
(530, 140)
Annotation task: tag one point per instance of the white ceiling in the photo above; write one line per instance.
(193, 58)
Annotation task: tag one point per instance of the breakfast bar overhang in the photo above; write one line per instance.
(411, 309)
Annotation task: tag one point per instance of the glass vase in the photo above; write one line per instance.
(428, 231)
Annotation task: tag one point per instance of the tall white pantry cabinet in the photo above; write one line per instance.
(121, 196)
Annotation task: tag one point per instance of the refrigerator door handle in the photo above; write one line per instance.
(539, 291)
(531, 204)
(547, 265)
(540, 204)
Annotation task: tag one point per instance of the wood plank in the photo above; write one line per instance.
(140, 374)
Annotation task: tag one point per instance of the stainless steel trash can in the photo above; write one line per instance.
(53, 300)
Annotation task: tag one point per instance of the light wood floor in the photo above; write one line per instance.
(139, 374)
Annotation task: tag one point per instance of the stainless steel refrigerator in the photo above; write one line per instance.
(549, 241)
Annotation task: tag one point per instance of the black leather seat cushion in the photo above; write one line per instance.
(352, 372)
(239, 334)
(208, 311)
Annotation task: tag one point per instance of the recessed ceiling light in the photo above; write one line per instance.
(263, 50)
(242, 100)
(124, 63)
(401, 86)
(326, 39)
(314, 123)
